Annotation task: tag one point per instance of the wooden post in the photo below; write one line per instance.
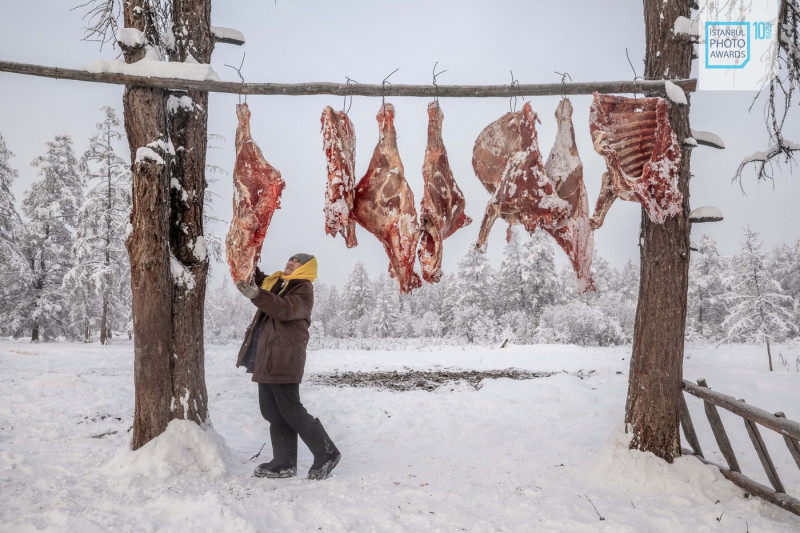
(793, 445)
(688, 428)
(763, 454)
(719, 432)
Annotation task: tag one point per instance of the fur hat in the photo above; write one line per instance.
(303, 258)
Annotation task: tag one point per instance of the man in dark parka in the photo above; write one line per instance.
(274, 351)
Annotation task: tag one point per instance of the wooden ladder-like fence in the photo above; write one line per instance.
(777, 422)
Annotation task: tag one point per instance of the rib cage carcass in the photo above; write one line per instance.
(641, 152)
(442, 208)
(256, 196)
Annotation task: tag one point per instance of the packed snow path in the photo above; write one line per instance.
(542, 454)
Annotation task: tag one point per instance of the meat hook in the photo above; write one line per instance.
(435, 86)
(349, 81)
(513, 84)
(564, 76)
(239, 72)
(383, 87)
(635, 76)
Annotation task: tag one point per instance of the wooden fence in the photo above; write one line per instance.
(751, 416)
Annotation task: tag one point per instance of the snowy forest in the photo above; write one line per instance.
(64, 275)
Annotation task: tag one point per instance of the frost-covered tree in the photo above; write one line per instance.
(706, 292)
(50, 206)
(99, 281)
(758, 304)
(331, 314)
(625, 282)
(227, 314)
(470, 316)
(541, 283)
(512, 290)
(384, 319)
(13, 267)
(785, 269)
(578, 322)
(358, 298)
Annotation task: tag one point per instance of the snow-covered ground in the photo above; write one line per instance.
(546, 454)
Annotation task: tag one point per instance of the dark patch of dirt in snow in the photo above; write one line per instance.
(429, 380)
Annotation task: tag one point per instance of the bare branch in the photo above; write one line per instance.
(781, 89)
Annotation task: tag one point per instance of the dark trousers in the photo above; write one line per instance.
(280, 405)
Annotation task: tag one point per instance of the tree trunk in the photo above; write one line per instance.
(188, 127)
(653, 402)
(769, 356)
(103, 321)
(148, 247)
(107, 252)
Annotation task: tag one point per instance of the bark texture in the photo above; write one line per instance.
(653, 404)
(148, 249)
(188, 127)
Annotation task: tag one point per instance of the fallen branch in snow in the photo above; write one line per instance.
(601, 517)
(259, 452)
(101, 435)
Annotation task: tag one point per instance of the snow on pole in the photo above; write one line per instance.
(706, 213)
(706, 138)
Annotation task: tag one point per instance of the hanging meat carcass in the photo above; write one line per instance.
(507, 160)
(256, 196)
(339, 143)
(565, 170)
(384, 204)
(442, 210)
(641, 152)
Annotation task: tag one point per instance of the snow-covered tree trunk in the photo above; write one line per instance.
(148, 241)
(656, 372)
(188, 128)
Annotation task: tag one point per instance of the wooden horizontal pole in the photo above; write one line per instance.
(342, 89)
(783, 426)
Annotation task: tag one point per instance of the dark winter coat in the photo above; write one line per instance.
(280, 329)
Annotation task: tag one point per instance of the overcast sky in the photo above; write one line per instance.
(476, 41)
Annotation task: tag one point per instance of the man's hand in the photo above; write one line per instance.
(249, 290)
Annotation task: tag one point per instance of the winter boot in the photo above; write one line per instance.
(284, 453)
(326, 455)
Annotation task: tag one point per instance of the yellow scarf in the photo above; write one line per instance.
(306, 271)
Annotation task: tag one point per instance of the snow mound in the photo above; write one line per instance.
(675, 93)
(684, 483)
(184, 448)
